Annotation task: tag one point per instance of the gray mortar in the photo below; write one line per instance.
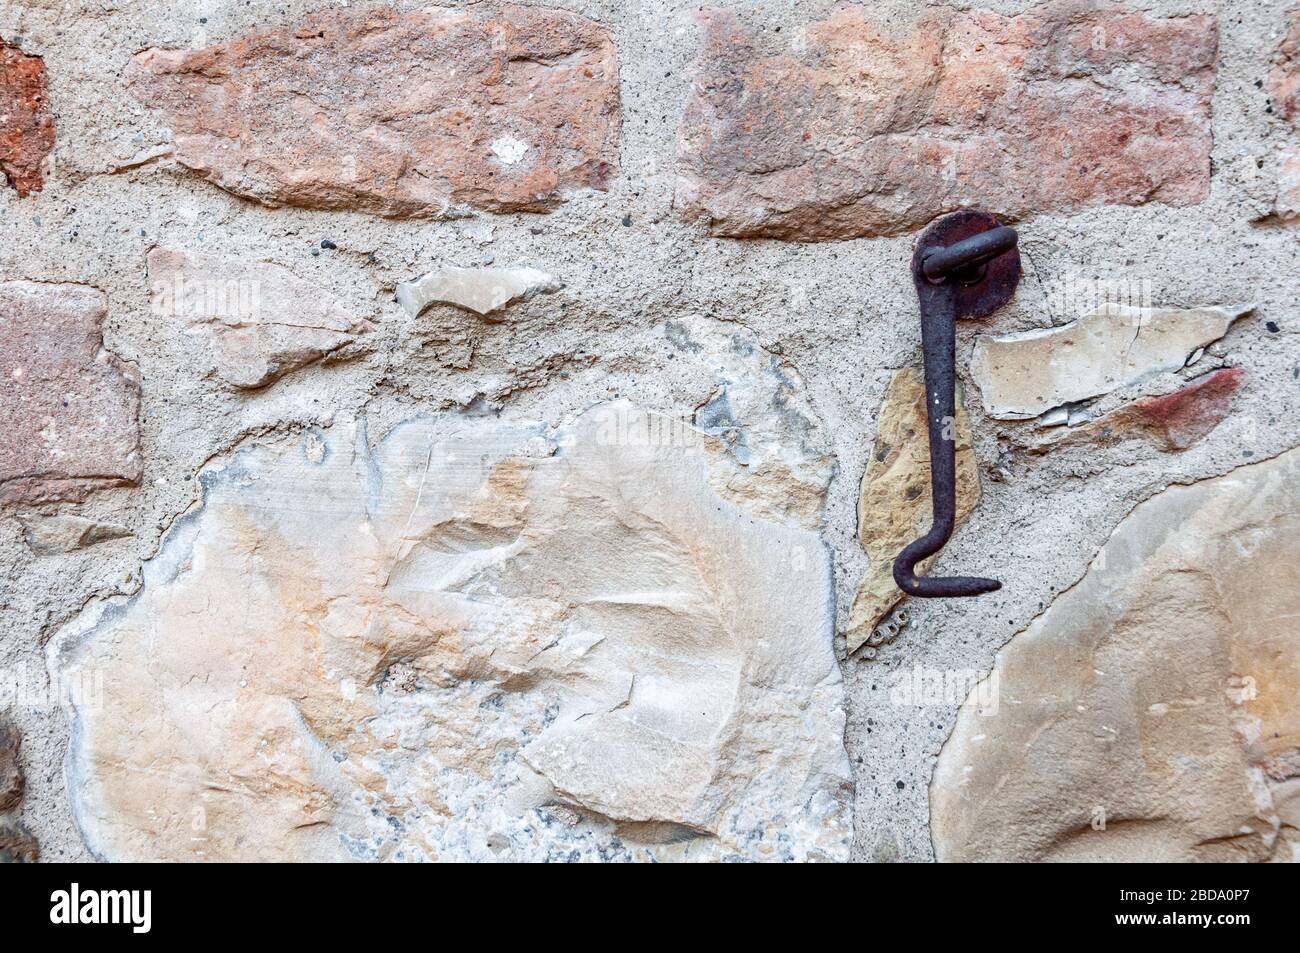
(843, 313)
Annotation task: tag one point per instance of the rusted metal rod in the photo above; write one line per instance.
(966, 265)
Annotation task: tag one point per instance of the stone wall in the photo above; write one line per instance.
(483, 431)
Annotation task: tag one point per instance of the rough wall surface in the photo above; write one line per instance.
(629, 641)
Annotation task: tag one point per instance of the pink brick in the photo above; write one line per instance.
(69, 409)
(859, 128)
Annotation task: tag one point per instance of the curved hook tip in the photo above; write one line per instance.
(932, 587)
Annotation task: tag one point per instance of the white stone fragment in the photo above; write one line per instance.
(509, 150)
(1026, 374)
(1056, 417)
(777, 462)
(255, 322)
(481, 290)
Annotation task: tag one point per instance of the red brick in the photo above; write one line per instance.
(397, 113)
(1284, 79)
(26, 126)
(874, 130)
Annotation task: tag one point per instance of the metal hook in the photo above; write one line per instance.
(966, 266)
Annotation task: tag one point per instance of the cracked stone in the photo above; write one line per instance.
(1172, 422)
(865, 127)
(1028, 373)
(1152, 713)
(257, 321)
(772, 455)
(26, 124)
(894, 503)
(481, 290)
(397, 114)
(581, 623)
(68, 417)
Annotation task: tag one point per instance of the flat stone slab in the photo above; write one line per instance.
(1028, 373)
(257, 321)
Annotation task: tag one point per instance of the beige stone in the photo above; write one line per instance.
(1287, 207)
(418, 113)
(257, 321)
(859, 124)
(894, 503)
(481, 290)
(1152, 713)
(480, 640)
(1028, 373)
(65, 532)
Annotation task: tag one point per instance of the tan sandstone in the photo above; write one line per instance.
(1152, 713)
(481, 639)
(894, 504)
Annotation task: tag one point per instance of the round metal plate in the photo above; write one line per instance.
(1001, 275)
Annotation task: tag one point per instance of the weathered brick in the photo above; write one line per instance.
(68, 408)
(26, 125)
(17, 846)
(1284, 78)
(397, 113)
(11, 773)
(1284, 91)
(866, 129)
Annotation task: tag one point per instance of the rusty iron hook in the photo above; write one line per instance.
(966, 265)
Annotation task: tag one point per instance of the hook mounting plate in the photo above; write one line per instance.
(998, 283)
